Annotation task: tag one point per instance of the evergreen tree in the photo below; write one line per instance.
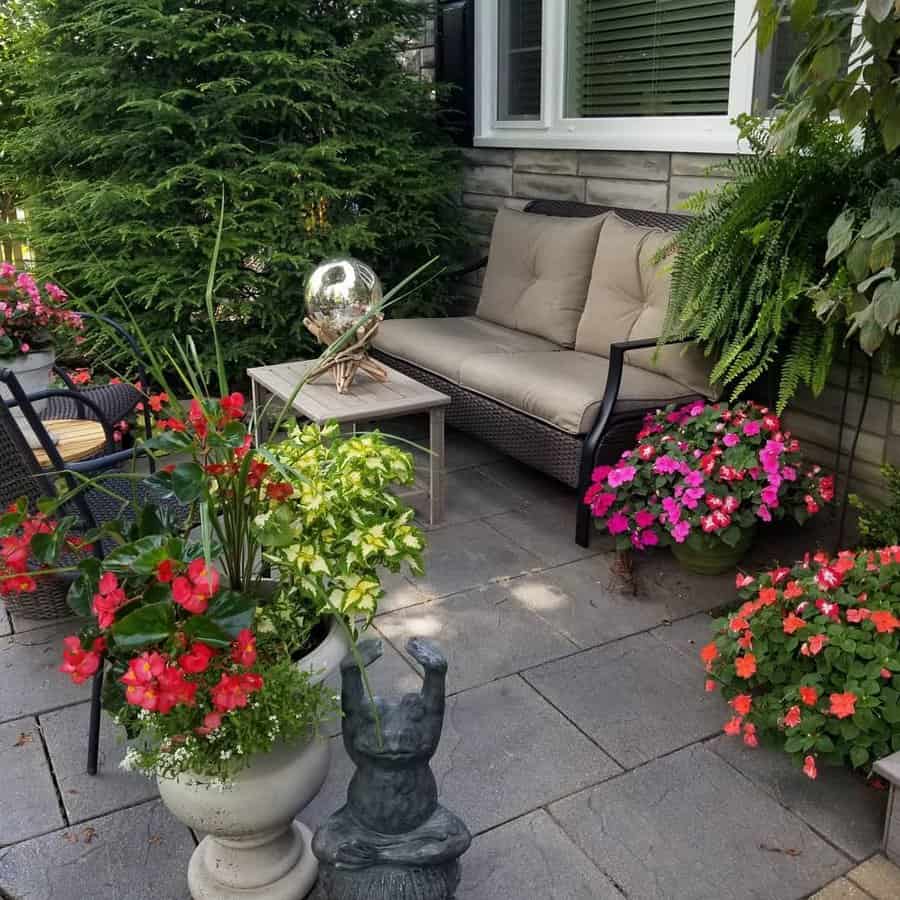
(141, 113)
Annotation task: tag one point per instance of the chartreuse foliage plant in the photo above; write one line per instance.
(811, 660)
(140, 112)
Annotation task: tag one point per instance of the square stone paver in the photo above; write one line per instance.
(88, 796)
(503, 753)
(546, 530)
(688, 636)
(838, 804)
(24, 623)
(535, 487)
(464, 556)
(30, 680)
(485, 633)
(28, 804)
(879, 877)
(399, 592)
(137, 854)
(689, 827)
(5, 626)
(638, 698)
(530, 857)
(586, 602)
(470, 495)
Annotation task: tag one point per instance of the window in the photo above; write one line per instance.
(665, 75)
(649, 57)
(519, 60)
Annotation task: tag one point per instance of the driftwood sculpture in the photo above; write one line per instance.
(352, 359)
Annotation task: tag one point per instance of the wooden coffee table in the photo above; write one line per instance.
(367, 400)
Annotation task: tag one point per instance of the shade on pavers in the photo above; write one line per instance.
(30, 680)
(838, 804)
(28, 803)
(139, 853)
(689, 826)
(503, 753)
(637, 698)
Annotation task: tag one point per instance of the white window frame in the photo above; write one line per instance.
(553, 130)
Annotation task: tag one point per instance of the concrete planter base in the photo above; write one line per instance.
(253, 847)
(889, 769)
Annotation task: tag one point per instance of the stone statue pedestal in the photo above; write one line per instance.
(392, 840)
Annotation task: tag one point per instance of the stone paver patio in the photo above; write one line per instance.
(579, 745)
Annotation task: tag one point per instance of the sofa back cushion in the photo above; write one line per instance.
(538, 272)
(627, 300)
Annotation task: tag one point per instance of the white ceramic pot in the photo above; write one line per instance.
(253, 847)
(33, 372)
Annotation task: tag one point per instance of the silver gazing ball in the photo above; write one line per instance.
(341, 291)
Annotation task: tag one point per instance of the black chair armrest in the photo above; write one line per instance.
(107, 461)
(124, 335)
(617, 353)
(467, 270)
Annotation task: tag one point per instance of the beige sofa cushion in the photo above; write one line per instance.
(538, 272)
(627, 300)
(442, 345)
(564, 389)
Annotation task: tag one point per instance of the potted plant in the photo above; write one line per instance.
(811, 660)
(215, 673)
(700, 480)
(32, 319)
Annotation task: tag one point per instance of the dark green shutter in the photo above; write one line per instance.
(649, 57)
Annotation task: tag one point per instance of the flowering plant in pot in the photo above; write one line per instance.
(215, 671)
(811, 660)
(34, 319)
(700, 480)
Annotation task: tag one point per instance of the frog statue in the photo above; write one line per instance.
(392, 840)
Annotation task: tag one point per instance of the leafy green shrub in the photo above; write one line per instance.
(879, 526)
(141, 113)
(746, 264)
(811, 660)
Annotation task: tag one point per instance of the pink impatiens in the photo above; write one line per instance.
(708, 469)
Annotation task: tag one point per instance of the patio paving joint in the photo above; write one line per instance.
(576, 726)
(608, 875)
(770, 793)
(48, 759)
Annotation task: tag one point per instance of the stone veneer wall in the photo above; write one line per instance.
(498, 178)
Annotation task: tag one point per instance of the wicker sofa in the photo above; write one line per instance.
(556, 368)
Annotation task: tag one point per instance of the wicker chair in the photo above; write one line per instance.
(22, 476)
(109, 402)
(570, 458)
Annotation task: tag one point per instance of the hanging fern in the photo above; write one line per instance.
(744, 267)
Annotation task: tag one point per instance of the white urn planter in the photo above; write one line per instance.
(253, 846)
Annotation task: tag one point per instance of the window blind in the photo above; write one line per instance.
(649, 57)
(519, 59)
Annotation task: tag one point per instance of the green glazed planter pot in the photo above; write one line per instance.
(708, 554)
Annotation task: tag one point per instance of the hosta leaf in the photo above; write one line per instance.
(840, 234)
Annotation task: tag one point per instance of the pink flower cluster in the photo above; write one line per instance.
(707, 468)
(30, 316)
